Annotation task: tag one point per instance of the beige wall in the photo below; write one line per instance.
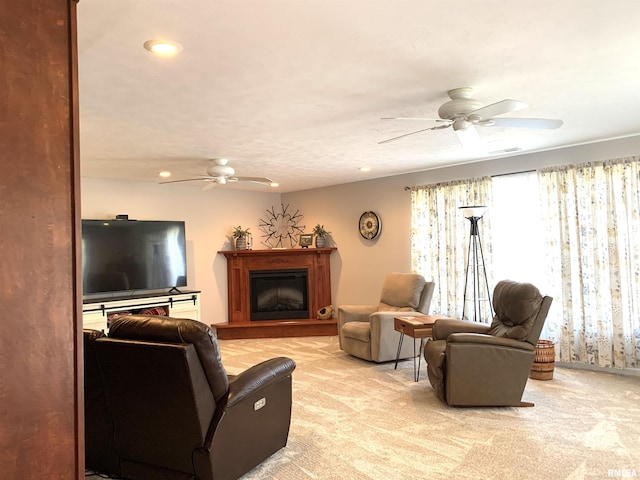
(357, 267)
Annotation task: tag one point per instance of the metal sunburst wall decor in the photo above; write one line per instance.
(281, 228)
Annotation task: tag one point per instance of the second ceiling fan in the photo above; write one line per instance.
(219, 172)
(463, 114)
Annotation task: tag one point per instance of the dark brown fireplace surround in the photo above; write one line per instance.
(241, 262)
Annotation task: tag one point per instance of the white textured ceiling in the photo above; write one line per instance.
(295, 89)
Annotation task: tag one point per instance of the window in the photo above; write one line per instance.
(573, 231)
(516, 232)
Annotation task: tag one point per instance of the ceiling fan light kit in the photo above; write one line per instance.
(463, 113)
(461, 124)
(469, 137)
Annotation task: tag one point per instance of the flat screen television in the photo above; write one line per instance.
(131, 255)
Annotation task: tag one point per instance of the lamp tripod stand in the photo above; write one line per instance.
(476, 269)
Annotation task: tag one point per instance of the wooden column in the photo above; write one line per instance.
(41, 407)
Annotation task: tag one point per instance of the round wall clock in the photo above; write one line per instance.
(369, 225)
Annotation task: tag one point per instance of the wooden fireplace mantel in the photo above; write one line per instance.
(240, 262)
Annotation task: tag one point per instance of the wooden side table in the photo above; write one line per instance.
(420, 326)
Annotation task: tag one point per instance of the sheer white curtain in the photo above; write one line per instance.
(592, 259)
(440, 238)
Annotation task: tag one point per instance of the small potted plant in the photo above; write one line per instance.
(321, 235)
(240, 235)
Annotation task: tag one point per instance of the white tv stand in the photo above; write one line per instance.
(97, 312)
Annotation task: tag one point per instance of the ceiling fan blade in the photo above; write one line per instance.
(498, 108)
(418, 118)
(526, 123)
(469, 137)
(437, 127)
(261, 180)
(204, 179)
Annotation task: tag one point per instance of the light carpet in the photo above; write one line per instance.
(354, 419)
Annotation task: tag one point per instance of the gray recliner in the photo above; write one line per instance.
(476, 364)
(367, 331)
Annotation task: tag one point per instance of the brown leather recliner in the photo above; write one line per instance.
(474, 364)
(176, 414)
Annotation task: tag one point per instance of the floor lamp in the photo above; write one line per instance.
(476, 267)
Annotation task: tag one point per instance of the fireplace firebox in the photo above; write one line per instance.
(278, 294)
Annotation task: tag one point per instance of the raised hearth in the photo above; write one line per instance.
(240, 264)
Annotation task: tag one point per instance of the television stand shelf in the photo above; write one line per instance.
(97, 312)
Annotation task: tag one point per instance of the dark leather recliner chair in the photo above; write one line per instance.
(176, 414)
(475, 364)
(99, 453)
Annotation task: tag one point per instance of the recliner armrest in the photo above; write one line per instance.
(445, 327)
(252, 425)
(399, 313)
(479, 338)
(387, 318)
(257, 377)
(355, 313)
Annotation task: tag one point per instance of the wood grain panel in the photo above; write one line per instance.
(40, 387)
(277, 329)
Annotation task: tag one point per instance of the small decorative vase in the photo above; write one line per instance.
(321, 241)
(241, 243)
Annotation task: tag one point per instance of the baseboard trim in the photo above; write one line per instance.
(629, 372)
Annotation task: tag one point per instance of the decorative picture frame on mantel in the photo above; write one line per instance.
(305, 240)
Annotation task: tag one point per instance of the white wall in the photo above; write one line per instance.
(357, 267)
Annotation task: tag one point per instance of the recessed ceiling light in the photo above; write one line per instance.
(365, 169)
(165, 174)
(274, 184)
(163, 48)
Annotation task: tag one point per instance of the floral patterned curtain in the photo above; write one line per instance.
(440, 240)
(592, 236)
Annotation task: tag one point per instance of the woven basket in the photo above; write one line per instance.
(325, 313)
(544, 358)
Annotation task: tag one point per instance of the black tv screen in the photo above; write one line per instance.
(130, 255)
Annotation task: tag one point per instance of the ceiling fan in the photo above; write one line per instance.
(464, 113)
(218, 172)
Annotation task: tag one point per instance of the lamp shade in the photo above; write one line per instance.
(473, 211)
